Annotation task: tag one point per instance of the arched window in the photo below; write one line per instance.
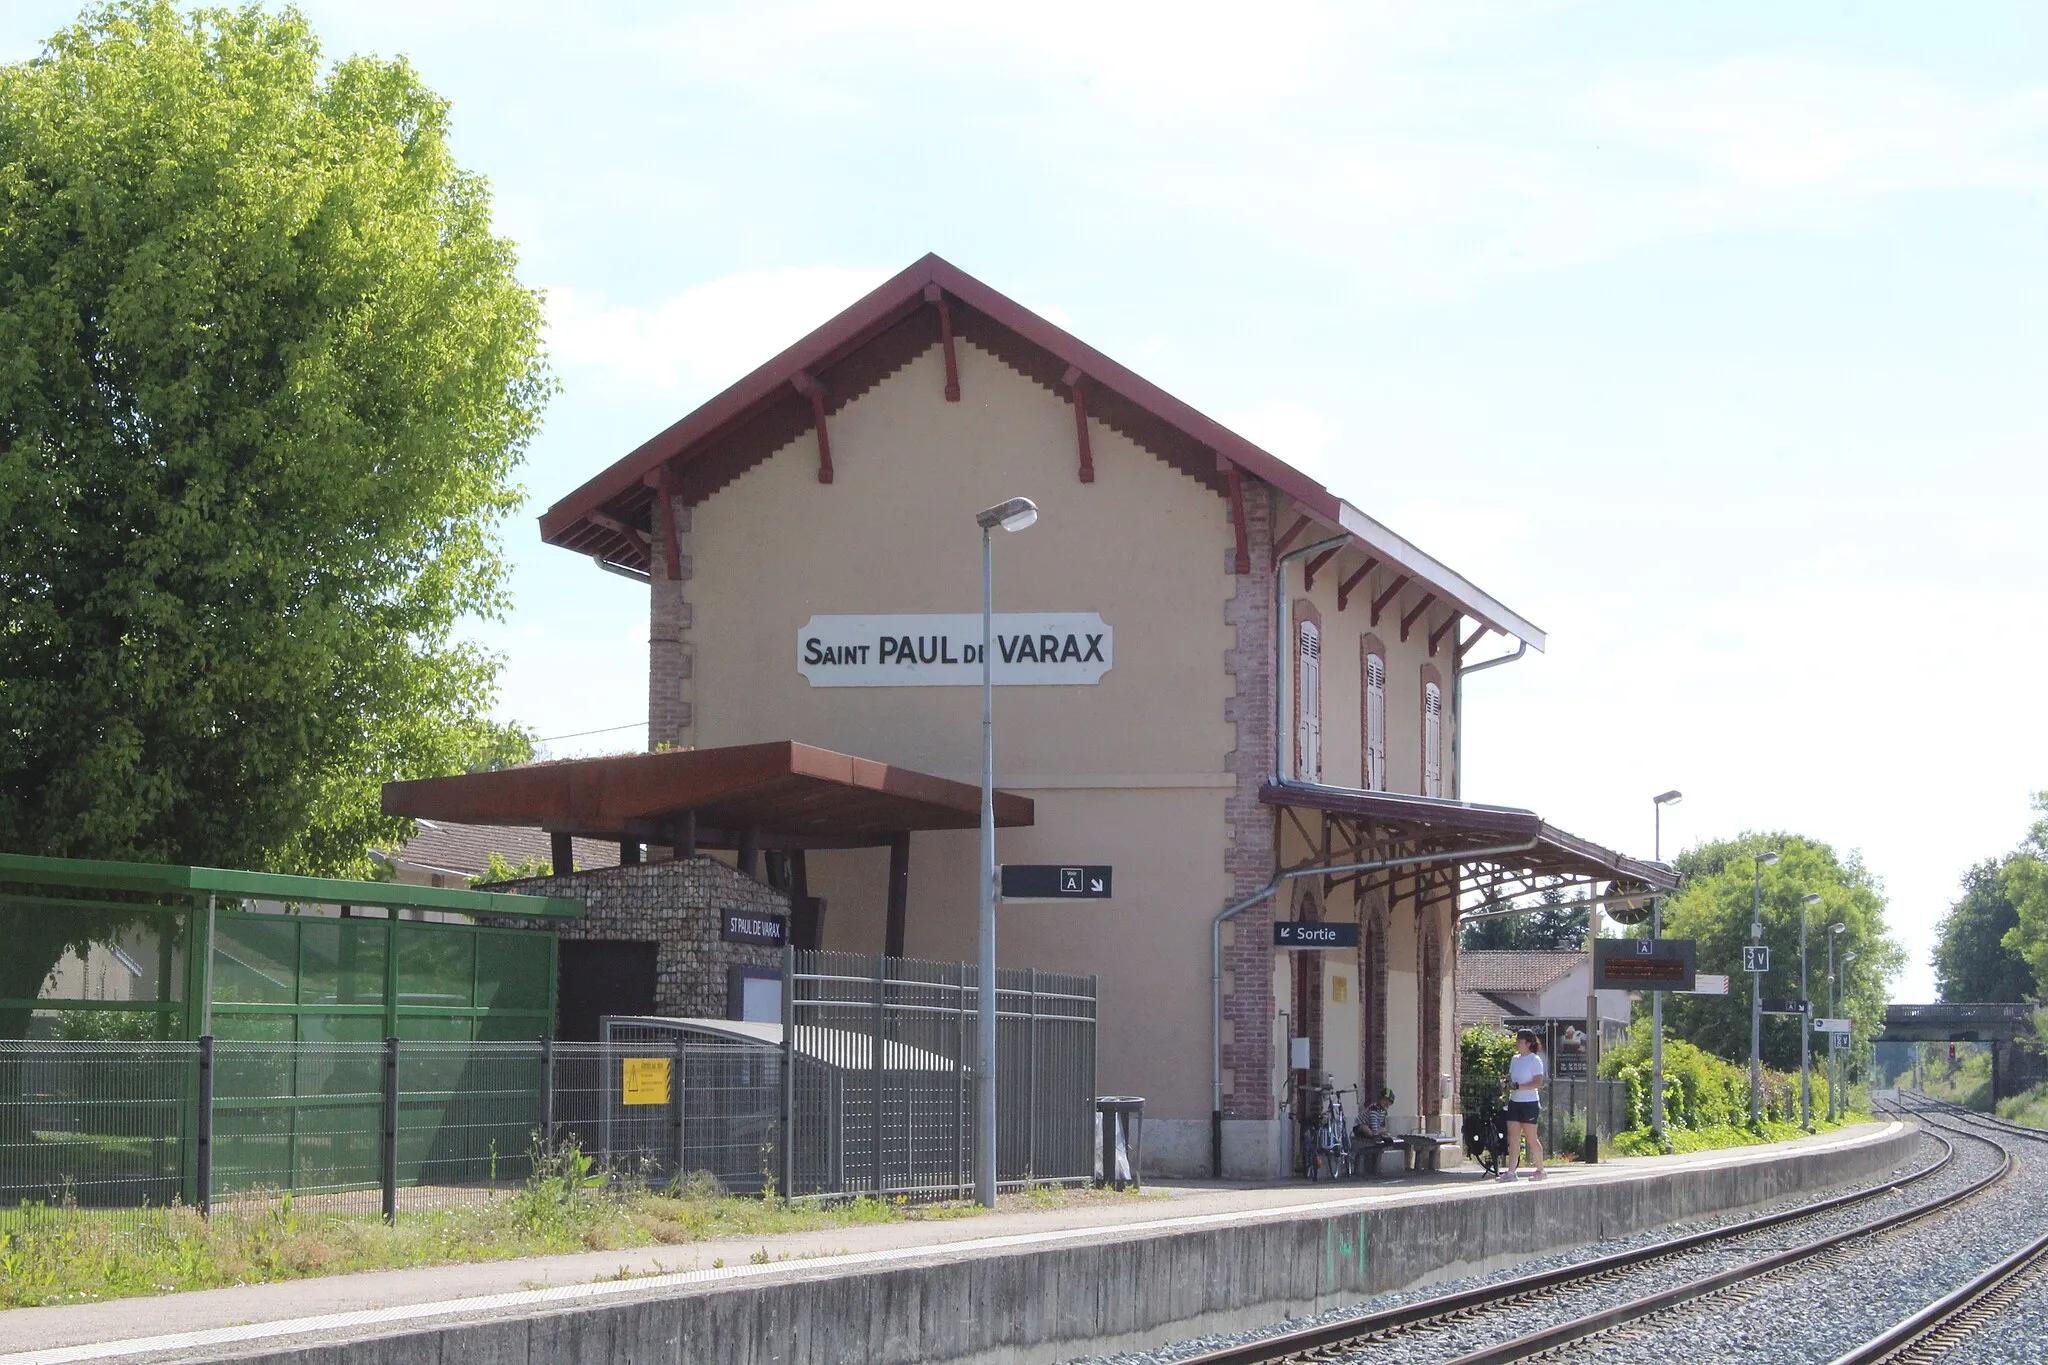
(1308, 699)
(1432, 735)
(1373, 686)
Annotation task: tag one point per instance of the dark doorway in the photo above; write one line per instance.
(600, 978)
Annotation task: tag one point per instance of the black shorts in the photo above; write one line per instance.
(1524, 1111)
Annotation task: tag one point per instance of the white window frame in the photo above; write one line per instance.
(1432, 738)
(1308, 702)
(1375, 722)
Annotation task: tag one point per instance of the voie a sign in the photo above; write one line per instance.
(1032, 649)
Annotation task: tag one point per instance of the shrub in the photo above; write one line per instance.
(1701, 1090)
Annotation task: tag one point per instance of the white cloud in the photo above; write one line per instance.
(706, 336)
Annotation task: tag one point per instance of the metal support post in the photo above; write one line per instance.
(985, 1039)
(675, 1107)
(1657, 1033)
(390, 1152)
(876, 1038)
(203, 1173)
(786, 1135)
(1756, 1005)
(547, 1093)
(1592, 1149)
(1805, 1035)
(1831, 1014)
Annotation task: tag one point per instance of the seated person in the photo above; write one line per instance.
(1376, 1123)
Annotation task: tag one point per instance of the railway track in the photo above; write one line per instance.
(1430, 1327)
(1960, 1315)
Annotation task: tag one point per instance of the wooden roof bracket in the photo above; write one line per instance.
(937, 296)
(1077, 384)
(1243, 563)
(1308, 570)
(1436, 637)
(1408, 620)
(1344, 589)
(1465, 646)
(667, 488)
(1287, 539)
(1379, 604)
(807, 385)
(633, 535)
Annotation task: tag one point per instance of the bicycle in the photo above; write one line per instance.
(1326, 1134)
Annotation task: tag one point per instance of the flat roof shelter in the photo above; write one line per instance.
(781, 796)
(117, 950)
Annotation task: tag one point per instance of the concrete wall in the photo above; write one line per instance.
(1103, 1291)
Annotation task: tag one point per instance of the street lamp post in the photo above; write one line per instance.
(1014, 515)
(1847, 958)
(1806, 902)
(1657, 804)
(1834, 931)
(1756, 994)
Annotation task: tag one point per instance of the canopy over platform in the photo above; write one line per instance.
(1361, 826)
(778, 795)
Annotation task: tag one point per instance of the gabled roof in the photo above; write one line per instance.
(1515, 973)
(609, 517)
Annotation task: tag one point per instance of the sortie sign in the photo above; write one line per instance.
(1032, 649)
(1289, 933)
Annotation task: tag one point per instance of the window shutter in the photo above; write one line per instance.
(1375, 723)
(1308, 705)
(1432, 740)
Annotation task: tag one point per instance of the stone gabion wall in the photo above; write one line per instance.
(678, 905)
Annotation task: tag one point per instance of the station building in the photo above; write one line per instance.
(1214, 675)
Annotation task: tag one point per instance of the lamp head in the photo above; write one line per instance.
(1014, 515)
(1838, 928)
(1847, 958)
(1810, 898)
(1668, 798)
(1767, 858)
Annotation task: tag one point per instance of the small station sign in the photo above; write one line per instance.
(746, 926)
(1643, 964)
(1053, 882)
(1785, 1006)
(1755, 957)
(1289, 933)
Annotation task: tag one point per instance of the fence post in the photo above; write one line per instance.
(875, 1060)
(390, 1153)
(785, 1136)
(960, 1142)
(203, 1163)
(675, 1106)
(547, 1094)
(1031, 1084)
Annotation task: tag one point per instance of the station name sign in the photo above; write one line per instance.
(1290, 933)
(742, 926)
(1032, 649)
(1643, 964)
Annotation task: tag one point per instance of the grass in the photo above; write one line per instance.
(68, 1255)
(2029, 1107)
(1643, 1142)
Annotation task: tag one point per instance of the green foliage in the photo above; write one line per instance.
(1483, 1056)
(1549, 929)
(1702, 1091)
(2024, 881)
(1972, 961)
(501, 870)
(265, 375)
(1713, 907)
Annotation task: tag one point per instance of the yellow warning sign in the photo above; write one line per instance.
(645, 1080)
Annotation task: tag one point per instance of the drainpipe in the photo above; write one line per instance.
(1233, 910)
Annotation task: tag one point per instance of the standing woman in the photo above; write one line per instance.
(1525, 1103)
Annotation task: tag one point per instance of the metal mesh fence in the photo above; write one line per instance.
(876, 1077)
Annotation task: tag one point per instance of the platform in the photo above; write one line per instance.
(1023, 1285)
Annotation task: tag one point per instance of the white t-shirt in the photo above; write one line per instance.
(1525, 1068)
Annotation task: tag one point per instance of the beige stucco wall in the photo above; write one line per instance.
(1129, 772)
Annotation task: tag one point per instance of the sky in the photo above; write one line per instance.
(1708, 337)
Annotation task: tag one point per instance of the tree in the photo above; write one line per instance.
(1550, 928)
(1712, 907)
(2024, 881)
(265, 373)
(1971, 959)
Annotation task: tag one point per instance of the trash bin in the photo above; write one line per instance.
(1119, 1129)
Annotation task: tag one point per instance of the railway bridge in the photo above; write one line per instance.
(2003, 1027)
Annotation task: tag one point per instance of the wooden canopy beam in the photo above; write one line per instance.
(806, 384)
(1379, 604)
(937, 296)
(1465, 646)
(1408, 620)
(1344, 588)
(1077, 384)
(1293, 532)
(1436, 637)
(1244, 554)
(1308, 572)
